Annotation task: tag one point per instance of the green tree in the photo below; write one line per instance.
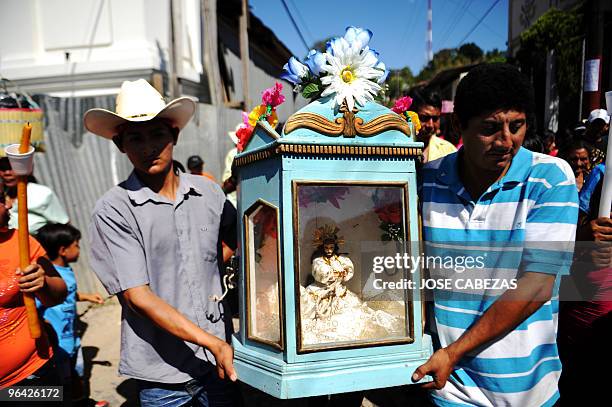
(466, 54)
(495, 55)
(398, 82)
(561, 32)
(321, 45)
(471, 51)
(443, 59)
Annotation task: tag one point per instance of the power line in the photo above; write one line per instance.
(479, 21)
(485, 25)
(453, 19)
(409, 27)
(455, 23)
(295, 25)
(302, 21)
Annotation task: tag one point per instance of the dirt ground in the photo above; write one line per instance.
(101, 342)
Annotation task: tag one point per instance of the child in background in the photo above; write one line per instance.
(61, 242)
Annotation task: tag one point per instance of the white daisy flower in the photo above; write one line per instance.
(353, 69)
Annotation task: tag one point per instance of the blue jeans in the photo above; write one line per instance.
(206, 391)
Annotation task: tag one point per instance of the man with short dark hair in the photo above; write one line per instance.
(155, 242)
(195, 165)
(576, 154)
(596, 136)
(495, 199)
(428, 105)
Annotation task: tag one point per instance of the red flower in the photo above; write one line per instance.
(244, 134)
(391, 213)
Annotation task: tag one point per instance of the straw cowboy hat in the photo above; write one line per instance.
(138, 101)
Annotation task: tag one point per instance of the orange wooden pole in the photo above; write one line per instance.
(24, 235)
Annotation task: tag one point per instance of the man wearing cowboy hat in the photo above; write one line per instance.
(155, 241)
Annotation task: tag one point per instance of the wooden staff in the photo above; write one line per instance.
(24, 234)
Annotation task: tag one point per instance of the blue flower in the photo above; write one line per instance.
(382, 67)
(294, 71)
(315, 60)
(337, 46)
(358, 37)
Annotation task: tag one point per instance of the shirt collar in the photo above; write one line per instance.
(519, 168)
(434, 141)
(139, 193)
(448, 172)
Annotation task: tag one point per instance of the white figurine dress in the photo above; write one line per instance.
(330, 312)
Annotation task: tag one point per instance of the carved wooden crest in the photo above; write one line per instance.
(348, 125)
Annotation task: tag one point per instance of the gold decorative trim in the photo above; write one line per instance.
(348, 125)
(349, 121)
(317, 149)
(350, 150)
(257, 156)
(313, 121)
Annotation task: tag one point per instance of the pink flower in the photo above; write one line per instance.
(402, 104)
(273, 96)
(245, 118)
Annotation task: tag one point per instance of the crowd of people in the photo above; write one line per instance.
(160, 238)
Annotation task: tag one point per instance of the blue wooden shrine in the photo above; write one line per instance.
(322, 208)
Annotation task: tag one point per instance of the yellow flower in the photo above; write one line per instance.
(414, 117)
(256, 114)
(273, 119)
(259, 111)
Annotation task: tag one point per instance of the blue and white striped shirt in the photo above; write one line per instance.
(535, 203)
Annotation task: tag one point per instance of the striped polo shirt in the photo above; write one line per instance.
(525, 222)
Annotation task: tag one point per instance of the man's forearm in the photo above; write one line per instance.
(512, 308)
(144, 302)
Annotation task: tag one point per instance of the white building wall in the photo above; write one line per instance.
(190, 60)
(75, 41)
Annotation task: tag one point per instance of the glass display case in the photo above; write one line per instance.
(263, 274)
(334, 230)
(319, 208)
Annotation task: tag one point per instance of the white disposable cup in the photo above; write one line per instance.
(22, 164)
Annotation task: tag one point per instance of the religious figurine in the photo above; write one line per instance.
(330, 312)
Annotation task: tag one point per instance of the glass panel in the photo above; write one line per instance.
(263, 275)
(342, 228)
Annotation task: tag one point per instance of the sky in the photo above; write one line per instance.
(399, 26)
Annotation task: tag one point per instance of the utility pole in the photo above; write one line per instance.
(176, 49)
(211, 52)
(244, 53)
(429, 43)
